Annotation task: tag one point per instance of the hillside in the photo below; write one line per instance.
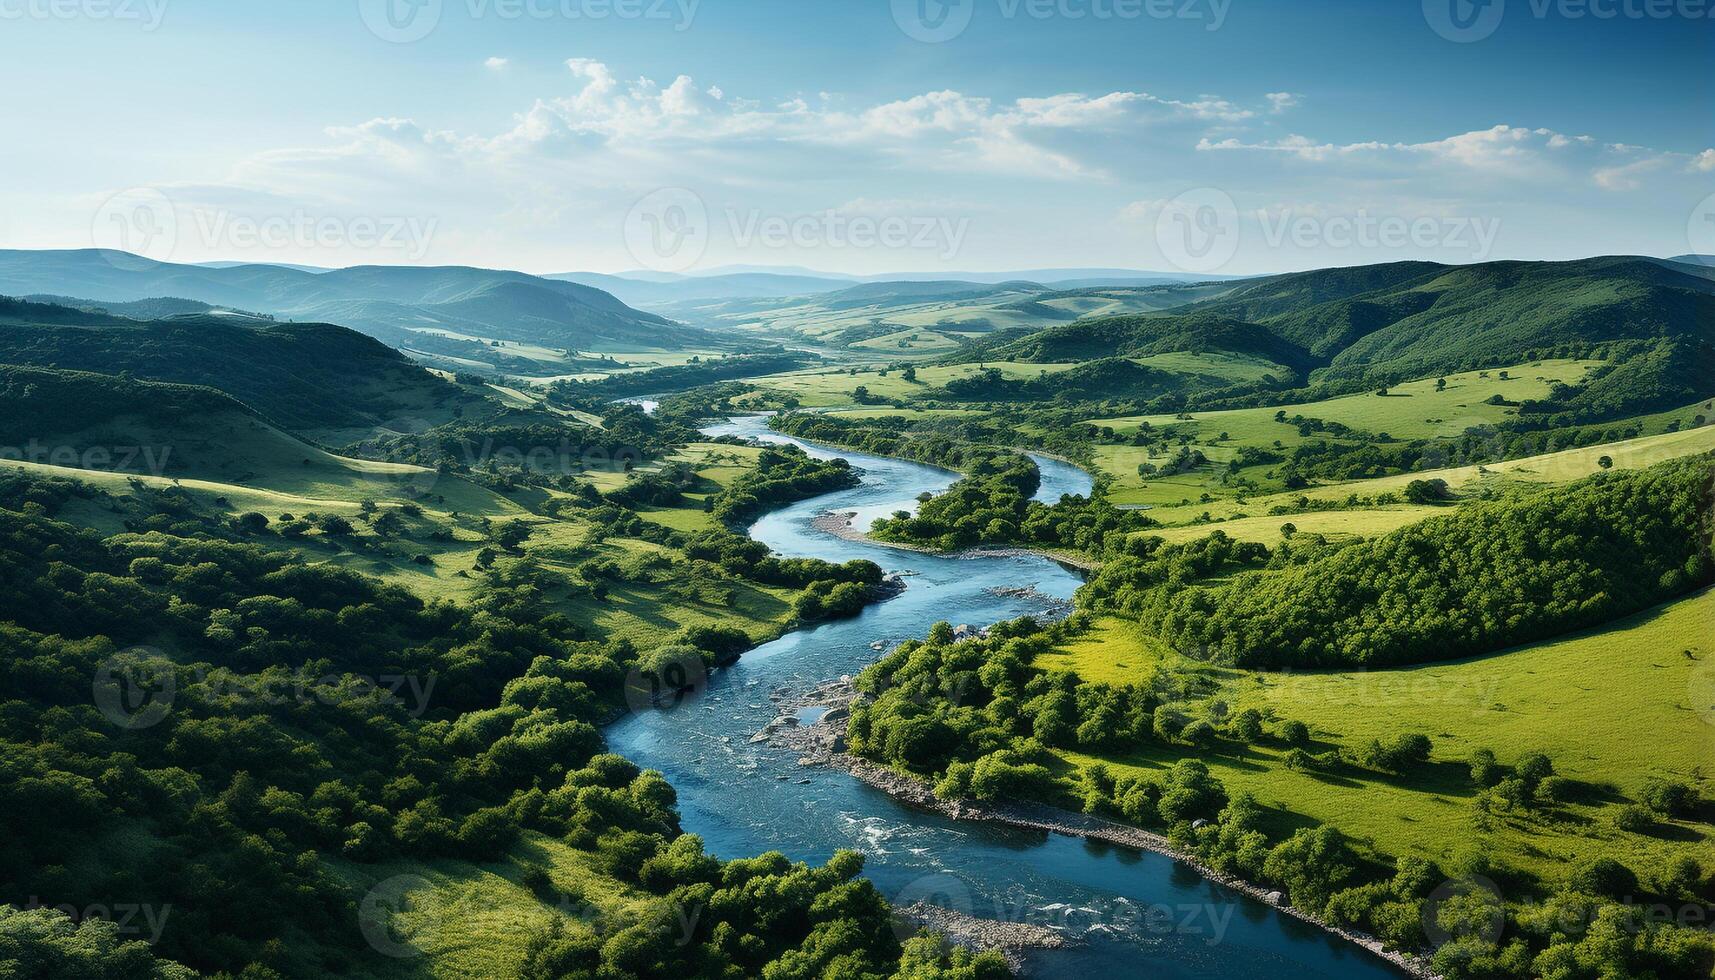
(1378, 324)
(1138, 336)
(94, 422)
(392, 303)
(300, 375)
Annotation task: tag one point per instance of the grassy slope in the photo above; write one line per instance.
(1568, 464)
(1611, 707)
(461, 921)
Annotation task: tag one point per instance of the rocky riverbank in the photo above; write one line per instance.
(1007, 938)
(821, 742)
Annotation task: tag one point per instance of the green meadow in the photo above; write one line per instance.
(1612, 707)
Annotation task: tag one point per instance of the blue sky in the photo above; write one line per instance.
(550, 135)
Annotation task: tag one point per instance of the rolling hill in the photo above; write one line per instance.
(103, 423)
(300, 375)
(1375, 324)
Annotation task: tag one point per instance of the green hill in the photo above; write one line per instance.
(1653, 321)
(1141, 336)
(300, 375)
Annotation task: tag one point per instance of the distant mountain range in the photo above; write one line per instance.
(659, 290)
(439, 310)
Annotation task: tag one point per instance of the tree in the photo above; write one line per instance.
(1605, 462)
(512, 533)
(1605, 877)
(1426, 491)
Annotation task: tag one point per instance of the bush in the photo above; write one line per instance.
(1634, 818)
(1669, 798)
(1605, 877)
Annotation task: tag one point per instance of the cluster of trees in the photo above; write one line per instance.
(991, 503)
(1490, 575)
(782, 475)
(754, 917)
(988, 504)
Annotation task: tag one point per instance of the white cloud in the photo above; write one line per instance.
(1279, 102)
(497, 63)
(1513, 152)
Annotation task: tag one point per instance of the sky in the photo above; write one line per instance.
(859, 136)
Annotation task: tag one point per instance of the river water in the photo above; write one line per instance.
(1134, 914)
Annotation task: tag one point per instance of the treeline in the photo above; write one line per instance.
(677, 377)
(978, 721)
(1108, 377)
(1487, 576)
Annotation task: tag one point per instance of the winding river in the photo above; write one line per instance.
(1134, 914)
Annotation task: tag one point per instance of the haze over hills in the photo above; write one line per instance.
(657, 289)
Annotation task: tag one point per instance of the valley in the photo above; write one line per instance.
(569, 544)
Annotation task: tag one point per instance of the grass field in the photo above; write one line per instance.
(453, 920)
(1360, 523)
(1414, 410)
(824, 388)
(1610, 707)
(1560, 467)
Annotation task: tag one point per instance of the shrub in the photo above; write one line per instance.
(1604, 876)
(1669, 798)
